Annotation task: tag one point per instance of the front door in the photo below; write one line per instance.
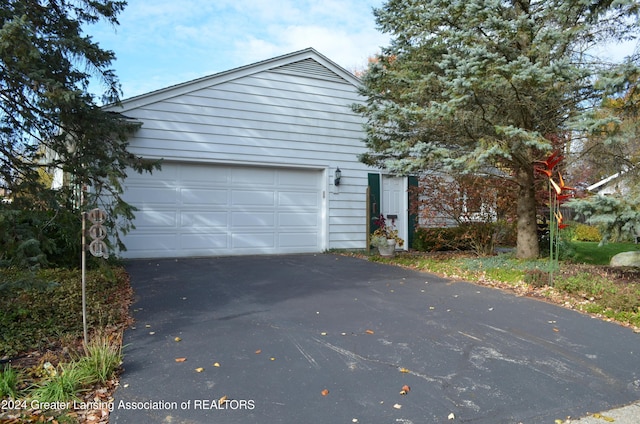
(394, 205)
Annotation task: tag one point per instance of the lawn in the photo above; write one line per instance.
(592, 253)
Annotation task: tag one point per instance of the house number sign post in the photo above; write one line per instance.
(97, 247)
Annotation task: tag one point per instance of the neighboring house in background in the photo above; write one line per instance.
(249, 163)
(614, 184)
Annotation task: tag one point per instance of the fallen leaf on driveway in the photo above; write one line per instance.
(181, 359)
(258, 352)
(404, 370)
(405, 389)
(397, 406)
(324, 392)
(216, 364)
(451, 416)
(604, 417)
(369, 332)
(199, 369)
(178, 339)
(223, 400)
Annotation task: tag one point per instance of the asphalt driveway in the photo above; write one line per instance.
(332, 339)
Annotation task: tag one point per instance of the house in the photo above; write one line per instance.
(613, 184)
(250, 160)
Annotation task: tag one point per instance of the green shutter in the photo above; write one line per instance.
(374, 199)
(413, 217)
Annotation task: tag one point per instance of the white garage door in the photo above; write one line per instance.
(205, 210)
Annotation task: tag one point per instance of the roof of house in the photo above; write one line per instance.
(604, 182)
(307, 61)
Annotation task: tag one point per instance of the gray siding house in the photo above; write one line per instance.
(249, 162)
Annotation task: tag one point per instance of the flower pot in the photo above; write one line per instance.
(389, 249)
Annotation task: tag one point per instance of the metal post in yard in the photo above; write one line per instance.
(84, 267)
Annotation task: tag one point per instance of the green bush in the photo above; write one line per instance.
(584, 232)
(34, 238)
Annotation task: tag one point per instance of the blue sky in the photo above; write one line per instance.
(164, 42)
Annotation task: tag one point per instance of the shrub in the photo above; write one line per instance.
(536, 277)
(33, 238)
(480, 236)
(440, 239)
(584, 232)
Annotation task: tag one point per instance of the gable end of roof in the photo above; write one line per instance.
(310, 68)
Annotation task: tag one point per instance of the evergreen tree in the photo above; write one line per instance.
(48, 118)
(481, 85)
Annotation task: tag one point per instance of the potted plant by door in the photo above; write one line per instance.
(386, 238)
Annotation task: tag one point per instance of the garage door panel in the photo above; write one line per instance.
(253, 176)
(138, 244)
(298, 199)
(155, 219)
(253, 240)
(298, 219)
(298, 240)
(203, 210)
(154, 195)
(204, 219)
(194, 174)
(252, 198)
(202, 196)
(203, 241)
(241, 220)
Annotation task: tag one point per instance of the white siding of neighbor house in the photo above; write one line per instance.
(292, 111)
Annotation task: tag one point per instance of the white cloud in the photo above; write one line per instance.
(165, 42)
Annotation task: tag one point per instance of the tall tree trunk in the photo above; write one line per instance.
(527, 242)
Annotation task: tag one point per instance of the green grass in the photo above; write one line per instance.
(590, 253)
(8, 383)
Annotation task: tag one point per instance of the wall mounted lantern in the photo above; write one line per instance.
(337, 175)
